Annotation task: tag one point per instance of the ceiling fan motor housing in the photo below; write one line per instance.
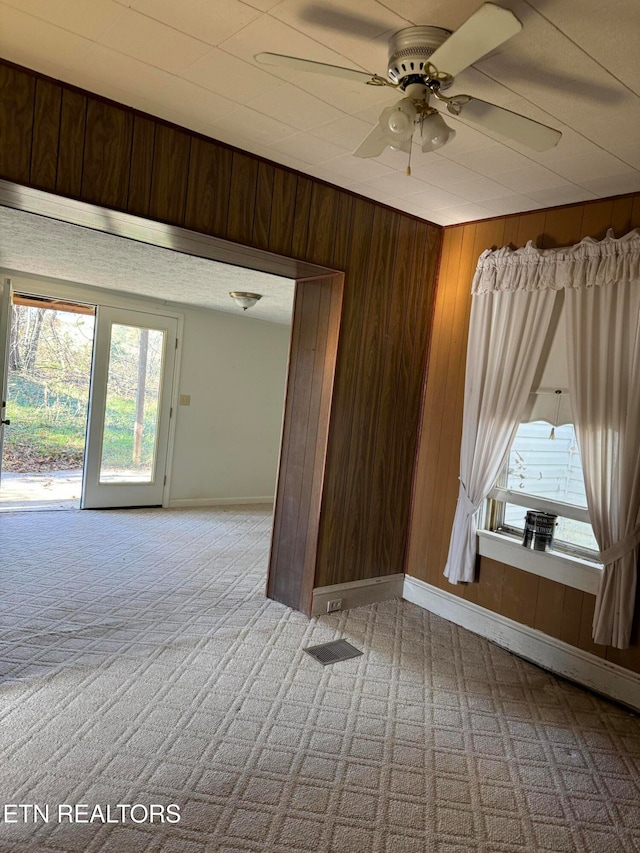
(409, 52)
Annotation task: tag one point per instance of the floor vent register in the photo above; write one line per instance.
(333, 652)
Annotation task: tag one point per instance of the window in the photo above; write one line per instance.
(544, 473)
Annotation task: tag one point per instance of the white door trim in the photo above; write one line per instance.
(97, 494)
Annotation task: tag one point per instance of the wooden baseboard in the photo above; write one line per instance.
(588, 670)
(357, 593)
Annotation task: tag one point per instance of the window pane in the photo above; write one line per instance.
(567, 530)
(131, 416)
(545, 466)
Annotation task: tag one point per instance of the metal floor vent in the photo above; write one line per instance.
(333, 652)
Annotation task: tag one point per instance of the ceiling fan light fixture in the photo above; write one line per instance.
(398, 123)
(435, 133)
(243, 299)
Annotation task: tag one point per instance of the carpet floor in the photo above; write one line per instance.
(144, 677)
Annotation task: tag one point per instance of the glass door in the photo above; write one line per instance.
(130, 409)
(5, 334)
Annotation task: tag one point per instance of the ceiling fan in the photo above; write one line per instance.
(423, 63)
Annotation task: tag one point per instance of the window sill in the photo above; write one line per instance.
(562, 568)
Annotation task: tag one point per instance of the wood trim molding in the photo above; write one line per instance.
(357, 593)
(312, 360)
(589, 671)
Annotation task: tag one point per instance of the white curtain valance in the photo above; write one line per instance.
(587, 264)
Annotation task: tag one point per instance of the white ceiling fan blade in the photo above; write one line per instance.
(373, 145)
(298, 64)
(485, 30)
(513, 126)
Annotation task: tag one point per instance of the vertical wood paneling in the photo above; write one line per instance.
(107, 153)
(342, 232)
(596, 219)
(332, 299)
(511, 228)
(287, 585)
(519, 596)
(448, 467)
(17, 94)
(141, 169)
(562, 227)
(263, 206)
(586, 622)
(304, 187)
(569, 630)
(382, 520)
(332, 557)
(549, 607)
(557, 610)
(46, 135)
(307, 409)
(530, 227)
(621, 215)
(489, 590)
(242, 197)
(170, 174)
(419, 556)
(629, 658)
(418, 321)
(374, 307)
(73, 119)
(408, 308)
(319, 299)
(282, 212)
(207, 205)
(323, 212)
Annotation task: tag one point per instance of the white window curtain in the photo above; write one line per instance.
(601, 282)
(603, 330)
(506, 335)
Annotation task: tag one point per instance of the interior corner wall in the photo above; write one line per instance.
(553, 608)
(63, 140)
(227, 439)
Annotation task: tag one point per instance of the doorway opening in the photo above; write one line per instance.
(49, 370)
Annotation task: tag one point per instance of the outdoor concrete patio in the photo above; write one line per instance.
(49, 490)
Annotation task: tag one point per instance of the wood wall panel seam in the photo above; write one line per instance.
(333, 547)
(46, 135)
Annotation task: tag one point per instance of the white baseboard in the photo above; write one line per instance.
(357, 593)
(588, 670)
(181, 502)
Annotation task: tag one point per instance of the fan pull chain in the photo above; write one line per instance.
(408, 170)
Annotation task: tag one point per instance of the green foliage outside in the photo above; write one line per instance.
(50, 365)
(47, 428)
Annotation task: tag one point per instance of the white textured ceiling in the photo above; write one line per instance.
(46, 247)
(574, 66)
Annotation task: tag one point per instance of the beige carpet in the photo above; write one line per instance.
(142, 665)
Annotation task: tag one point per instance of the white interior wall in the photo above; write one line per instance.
(227, 440)
(234, 368)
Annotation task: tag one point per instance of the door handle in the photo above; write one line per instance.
(4, 423)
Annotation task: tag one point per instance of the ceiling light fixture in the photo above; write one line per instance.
(244, 300)
(398, 123)
(435, 132)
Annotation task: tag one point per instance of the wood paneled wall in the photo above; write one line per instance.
(62, 140)
(551, 607)
(312, 358)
